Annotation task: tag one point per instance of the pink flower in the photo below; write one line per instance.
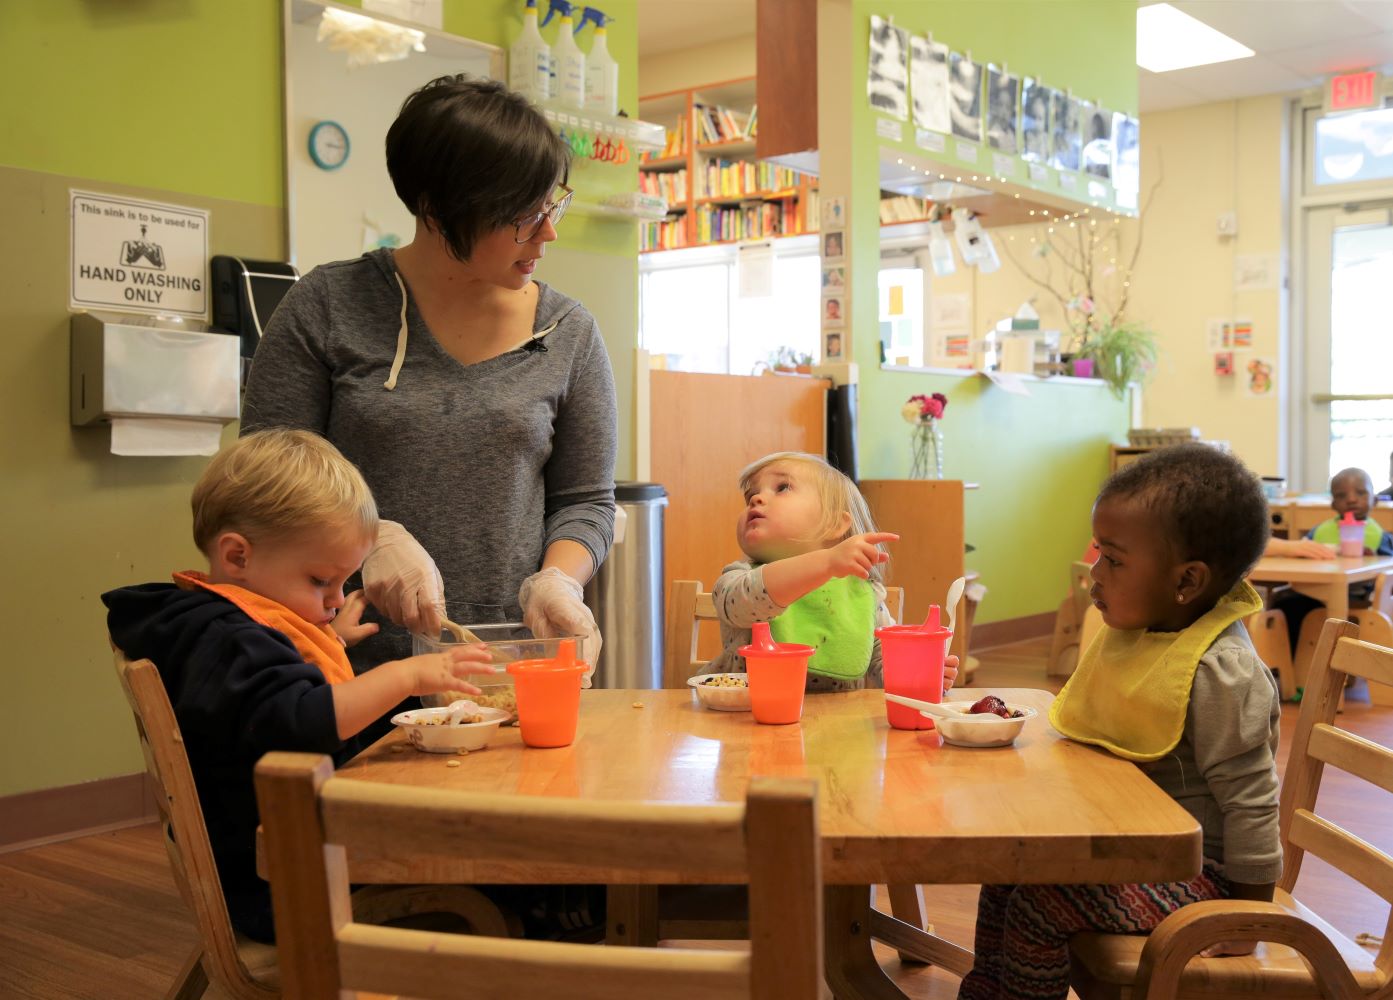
(922, 409)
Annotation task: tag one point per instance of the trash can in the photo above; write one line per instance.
(626, 595)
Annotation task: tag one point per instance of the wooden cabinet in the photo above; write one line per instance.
(927, 514)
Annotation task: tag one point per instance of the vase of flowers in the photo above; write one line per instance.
(924, 413)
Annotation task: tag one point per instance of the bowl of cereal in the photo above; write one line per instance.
(506, 643)
(464, 725)
(722, 692)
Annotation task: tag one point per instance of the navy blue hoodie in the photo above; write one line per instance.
(239, 690)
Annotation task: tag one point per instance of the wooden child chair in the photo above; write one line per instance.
(314, 818)
(1374, 618)
(242, 968)
(1302, 956)
(1272, 642)
(1065, 646)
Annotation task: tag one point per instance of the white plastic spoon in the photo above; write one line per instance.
(955, 593)
(938, 711)
(459, 709)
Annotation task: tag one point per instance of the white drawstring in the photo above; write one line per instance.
(400, 357)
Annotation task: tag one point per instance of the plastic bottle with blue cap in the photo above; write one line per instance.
(529, 59)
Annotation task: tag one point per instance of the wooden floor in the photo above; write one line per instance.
(99, 917)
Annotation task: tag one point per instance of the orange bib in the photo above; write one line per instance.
(318, 644)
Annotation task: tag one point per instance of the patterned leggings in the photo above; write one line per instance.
(1023, 930)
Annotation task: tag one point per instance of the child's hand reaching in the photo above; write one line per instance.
(858, 554)
(432, 673)
(1299, 548)
(348, 623)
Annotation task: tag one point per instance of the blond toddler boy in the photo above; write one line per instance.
(252, 651)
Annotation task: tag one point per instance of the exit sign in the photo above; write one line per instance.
(1352, 92)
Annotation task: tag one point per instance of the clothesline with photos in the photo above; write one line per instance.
(1024, 118)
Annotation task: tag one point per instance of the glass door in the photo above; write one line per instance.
(1348, 342)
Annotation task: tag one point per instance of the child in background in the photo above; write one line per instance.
(252, 652)
(1351, 490)
(1171, 682)
(813, 572)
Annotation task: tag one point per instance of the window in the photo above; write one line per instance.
(902, 312)
(1354, 147)
(692, 315)
(1361, 353)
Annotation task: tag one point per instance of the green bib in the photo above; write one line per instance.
(1328, 533)
(838, 619)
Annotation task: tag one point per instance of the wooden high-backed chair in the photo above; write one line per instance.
(1375, 620)
(1065, 646)
(1163, 964)
(312, 819)
(243, 968)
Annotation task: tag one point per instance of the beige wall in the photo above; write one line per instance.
(731, 59)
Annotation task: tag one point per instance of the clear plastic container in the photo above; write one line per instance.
(508, 643)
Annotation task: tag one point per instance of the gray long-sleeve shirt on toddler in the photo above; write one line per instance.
(485, 464)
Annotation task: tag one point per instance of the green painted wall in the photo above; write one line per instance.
(181, 101)
(1039, 459)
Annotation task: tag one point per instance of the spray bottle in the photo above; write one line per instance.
(601, 71)
(529, 60)
(567, 57)
(940, 249)
(973, 241)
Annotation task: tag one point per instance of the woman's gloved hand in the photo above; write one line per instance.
(401, 581)
(552, 605)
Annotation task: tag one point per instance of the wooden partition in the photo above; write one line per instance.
(703, 430)
(927, 514)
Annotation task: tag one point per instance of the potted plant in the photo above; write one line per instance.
(786, 359)
(1121, 353)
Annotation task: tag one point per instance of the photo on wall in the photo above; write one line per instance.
(1035, 120)
(1126, 153)
(1097, 143)
(965, 89)
(1066, 142)
(887, 72)
(928, 69)
(833, 350)
(1003, 109)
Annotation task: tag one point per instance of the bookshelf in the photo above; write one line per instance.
(717, 191)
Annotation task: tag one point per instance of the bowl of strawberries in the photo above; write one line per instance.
(986, 722)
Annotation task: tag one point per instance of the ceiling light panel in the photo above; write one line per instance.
(1169, 39)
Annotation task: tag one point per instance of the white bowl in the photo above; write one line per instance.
(996, 732)
(429, 729)
(722, 698)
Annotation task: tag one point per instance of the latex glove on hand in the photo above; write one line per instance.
(401, 581)
(552, 605)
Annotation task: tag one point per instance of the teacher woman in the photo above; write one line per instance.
(478, 403)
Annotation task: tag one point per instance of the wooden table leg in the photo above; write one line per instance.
(1335, 597)
(849, 963)
(631, 915)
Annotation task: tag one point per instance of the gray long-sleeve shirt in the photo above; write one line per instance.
(1223, 770)
(485, 464)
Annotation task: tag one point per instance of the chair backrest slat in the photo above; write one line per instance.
(1341, 849)
(705, 607)
(309, 816)
(1364, 659)
(1353, 754)
(430, 966)
(381, 818)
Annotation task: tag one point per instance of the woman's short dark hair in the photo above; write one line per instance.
(469, 156)
(1206, 502)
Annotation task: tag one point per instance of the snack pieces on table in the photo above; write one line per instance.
(726, 680)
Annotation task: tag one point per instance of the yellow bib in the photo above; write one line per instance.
(318, 644)
(1131, 691)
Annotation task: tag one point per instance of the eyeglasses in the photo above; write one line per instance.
(526, 229)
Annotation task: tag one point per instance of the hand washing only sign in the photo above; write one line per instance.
(138, 256)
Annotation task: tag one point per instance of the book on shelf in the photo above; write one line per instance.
(671, 186)
(756, 220)
(717, 124)
(734, 178)
(752, 125)
(670, 234)
(674, 144)
(903, 208)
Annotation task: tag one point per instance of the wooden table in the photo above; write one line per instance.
(895, 807)
(1325, 580)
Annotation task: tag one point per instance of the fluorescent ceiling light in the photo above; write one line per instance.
(1169, 39)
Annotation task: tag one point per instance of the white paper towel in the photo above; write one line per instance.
(164, 436)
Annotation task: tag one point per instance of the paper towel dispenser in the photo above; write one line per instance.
(151, 367)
